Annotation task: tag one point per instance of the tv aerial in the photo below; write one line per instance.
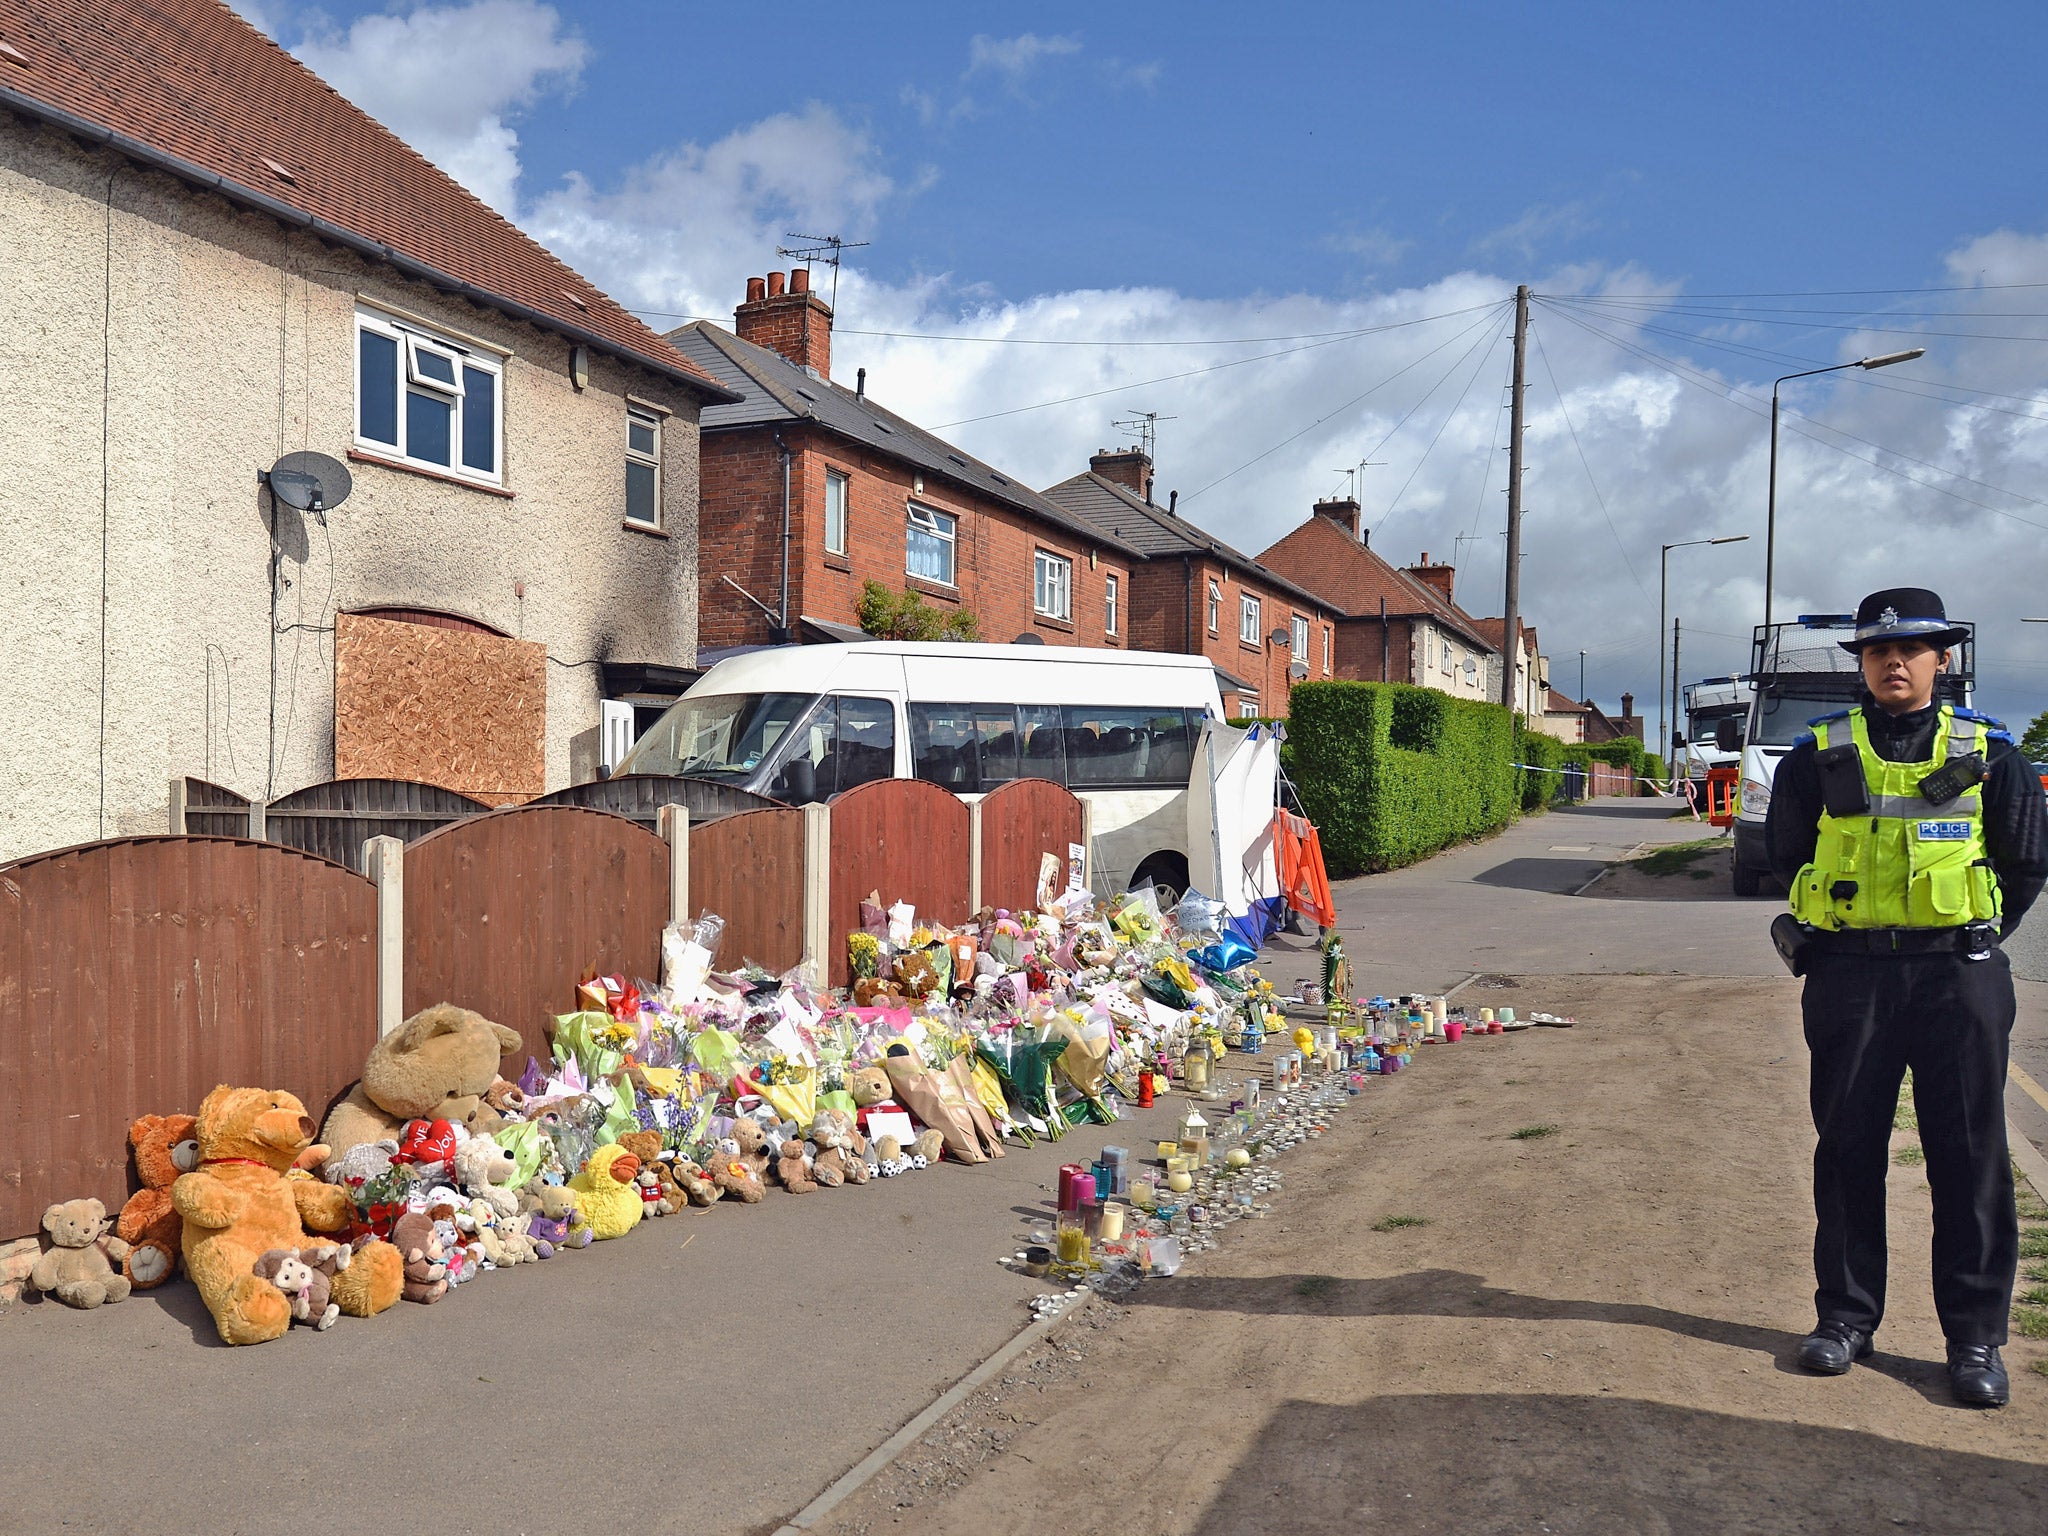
(825, 248)
(311, 482)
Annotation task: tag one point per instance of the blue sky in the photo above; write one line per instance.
(1169, 182)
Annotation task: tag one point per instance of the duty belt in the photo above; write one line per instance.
(1976, 940)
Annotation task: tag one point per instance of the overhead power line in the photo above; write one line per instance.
(1565, 411)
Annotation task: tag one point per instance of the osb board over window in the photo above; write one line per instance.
(443, 706)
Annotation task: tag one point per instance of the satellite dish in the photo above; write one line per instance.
(312, 482)
(1297, 673)
(1280, 636)
(1470, 667)
(1029, 638)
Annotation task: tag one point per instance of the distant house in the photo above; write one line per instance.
(1601, 726)
(214, 260)
(811, 490)
(1562, 717)
(1392, 625)
(1532, 667)
(1193, 594)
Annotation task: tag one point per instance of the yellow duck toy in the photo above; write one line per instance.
(607, 1191)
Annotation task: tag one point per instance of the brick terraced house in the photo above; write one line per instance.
(811, 490)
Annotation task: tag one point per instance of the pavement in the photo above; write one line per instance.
(761, 1350)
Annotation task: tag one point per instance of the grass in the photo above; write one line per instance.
(2034, 1245)
(1532, 1133)
(2034, 1296)
(2037, 1271)
(2040, 1367)
(1903, 1118)
(1909, 1157)
(1396, 1223)
(2030, 1322)
(1678, 858)
(2030, 1205)
(1313, 1286)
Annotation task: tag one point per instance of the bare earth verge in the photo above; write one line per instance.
(1590, 1331)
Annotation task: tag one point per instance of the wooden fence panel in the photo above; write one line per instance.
(749, 869)
(504, 911)
(335, 818)
(641, 796)
(1020, 821)
(214, 810)
(903, 839)
(138, 973)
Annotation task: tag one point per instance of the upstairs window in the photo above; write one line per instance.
(1248, 619)
(1326, 649)
(1215, 607)
(427, 399)
(643, 468)
(929, 545)
(1053, 587)
(1109, 596)
(835, 512)
(1300, 648)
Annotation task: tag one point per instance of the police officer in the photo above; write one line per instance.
(1913, 836)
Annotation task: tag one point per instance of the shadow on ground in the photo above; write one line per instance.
(1497, 1462)
(1557, 877)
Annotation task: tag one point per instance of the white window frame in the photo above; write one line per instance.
(1109, 600)
(1326, 650)
(1052, 586)
(1298, 634)
(411, 340)
(840, 480)
(933, 523)
(1215, 608)
(1248, 619)
(637, 416)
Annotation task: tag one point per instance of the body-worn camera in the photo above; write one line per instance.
(1843, 789)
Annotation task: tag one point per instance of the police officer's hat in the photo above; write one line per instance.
(1903, 613)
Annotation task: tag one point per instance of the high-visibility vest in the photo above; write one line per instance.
(1903, 863)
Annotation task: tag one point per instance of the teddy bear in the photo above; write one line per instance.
(841, 1150)
(238, 1204)
(752, 1138)
(793, 1169)
(438, 1064)
(506, 1099)
(149, 1224)
(654, 1198)
(484, 1170)
(697, 1186)
(426, 1275)
(732, 1173)
(461, 1249)
(304, 1275)
(79, 1268)
(504, 1240)
(874, 1094)
(552, 1219)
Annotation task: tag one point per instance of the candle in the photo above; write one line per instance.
(1112, 1222)
(1068, 1173)
(1073, 1245)
(1195, 1070)
(1179, 1182)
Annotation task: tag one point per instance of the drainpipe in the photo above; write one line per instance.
(1187, 605)
(1385, 654)
(781, 634)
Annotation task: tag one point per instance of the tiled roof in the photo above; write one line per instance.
(193, 89)
(772, 389)
(1557, 704)
(1120, 511)
(1354, 579)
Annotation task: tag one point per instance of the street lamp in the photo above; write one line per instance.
(1582, 677)
(1771, 522)
(1663, 587)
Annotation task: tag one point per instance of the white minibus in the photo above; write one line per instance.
(805, 723)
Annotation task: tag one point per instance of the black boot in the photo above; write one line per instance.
(1977, 1376)
(1832, 1347)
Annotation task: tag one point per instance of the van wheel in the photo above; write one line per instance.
(1748, 882)
(1168, 872)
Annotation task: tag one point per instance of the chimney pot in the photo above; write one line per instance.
(783, 315)
(757, 289)
(799, 279)
(774, 285)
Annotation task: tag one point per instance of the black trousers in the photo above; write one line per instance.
(1869, 1018)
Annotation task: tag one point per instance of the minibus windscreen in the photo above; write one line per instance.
(719, 735)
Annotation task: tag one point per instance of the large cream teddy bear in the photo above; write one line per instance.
(238, 1205)
(437, 1065)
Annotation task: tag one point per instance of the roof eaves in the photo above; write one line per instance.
(679, 371)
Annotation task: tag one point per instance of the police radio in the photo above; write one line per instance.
(1953, 778)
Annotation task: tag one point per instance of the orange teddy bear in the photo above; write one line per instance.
(239, 1204)
(165, 1146)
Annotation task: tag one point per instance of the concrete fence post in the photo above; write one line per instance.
(1088, 846)
(974, 857)
(384, 863)
(818, 892)
(673, 822)
(257, 829)
(178, 806)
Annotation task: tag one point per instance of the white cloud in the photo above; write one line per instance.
(449, 79)
(1539, 226)
(1014, 58)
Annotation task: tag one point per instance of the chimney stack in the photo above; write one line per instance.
(1130, 468)
(782, 314)
(1439, 576)
(1628, 705)
(1343, 511)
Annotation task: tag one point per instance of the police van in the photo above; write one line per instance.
(804, 723)
(1800, 672)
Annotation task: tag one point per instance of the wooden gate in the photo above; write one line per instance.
(1020, 821)
(749, 869)
(137, 974)
(903, 839)
(504, 911)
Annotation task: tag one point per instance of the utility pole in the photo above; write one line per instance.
(1511, 625)
(1666, 745)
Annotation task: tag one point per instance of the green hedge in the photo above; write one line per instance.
(1391, 773)
(1546, 758)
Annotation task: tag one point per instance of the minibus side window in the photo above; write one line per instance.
(942, 743)
(996, 726)
(1116, 748)
(1045, 753)
(867, 742)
